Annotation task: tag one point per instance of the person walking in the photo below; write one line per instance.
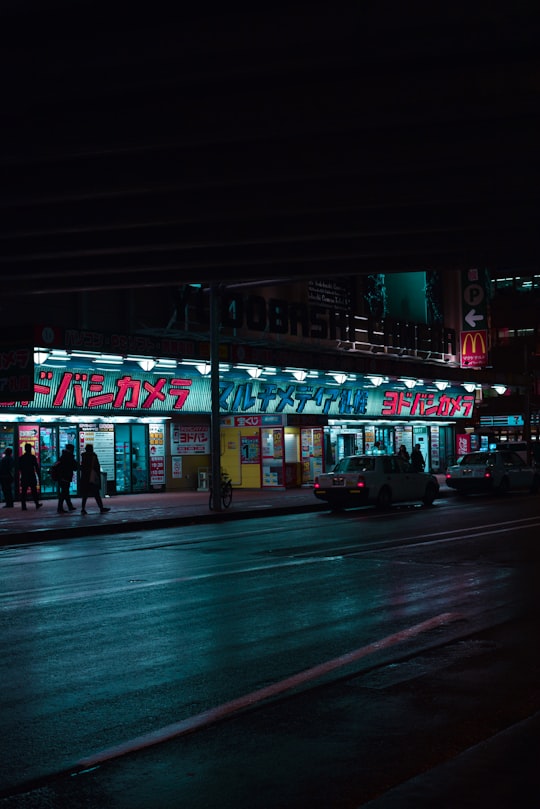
(7, 465)
(66, 466)
(91, 479)
(30, 475)
(403, 454)
(417, 459)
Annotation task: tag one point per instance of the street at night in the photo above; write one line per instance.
(296, 660)
(259, 265)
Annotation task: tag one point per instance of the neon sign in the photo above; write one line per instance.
(85, 392)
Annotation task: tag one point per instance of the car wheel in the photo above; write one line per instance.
(384, 500)
(502, 488)
(429, 495)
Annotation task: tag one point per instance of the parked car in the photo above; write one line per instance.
(359, 480)
(498, 471)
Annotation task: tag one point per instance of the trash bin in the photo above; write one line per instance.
(104, 484)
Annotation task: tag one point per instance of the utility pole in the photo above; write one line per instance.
(214, 383)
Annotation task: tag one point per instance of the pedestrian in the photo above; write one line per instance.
(417, 459)
(403, 454)
(30, 475)
(91, 479)
(7, 465)
(66, 466)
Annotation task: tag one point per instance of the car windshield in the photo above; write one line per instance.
(356, 463)
(477, 459)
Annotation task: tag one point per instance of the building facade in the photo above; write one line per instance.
(307, 373)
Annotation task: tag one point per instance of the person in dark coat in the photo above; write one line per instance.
(91, 479)
(417, 459)
(403, 454)
(30, 475)
(7, 465)
(67, 465)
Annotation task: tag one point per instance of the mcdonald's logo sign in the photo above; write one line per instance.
(474, 349)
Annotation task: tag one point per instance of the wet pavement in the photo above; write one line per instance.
(499, 772)
(144, 511)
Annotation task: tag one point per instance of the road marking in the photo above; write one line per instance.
(227, 709)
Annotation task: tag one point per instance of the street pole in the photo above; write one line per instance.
(214, 383)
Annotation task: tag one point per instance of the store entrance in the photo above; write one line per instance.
(131, 458)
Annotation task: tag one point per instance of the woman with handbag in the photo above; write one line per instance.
(91, 479)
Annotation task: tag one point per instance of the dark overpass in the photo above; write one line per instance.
(142, 150)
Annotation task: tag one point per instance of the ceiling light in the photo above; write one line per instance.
(147, 364)
(441, 384)
(204, 368)
(299, 375)
(254, 372)
(409, 383)
(500, 389)
(166, 363)
(340, 378)
(469, 387)
(40, 356)
(376, 380)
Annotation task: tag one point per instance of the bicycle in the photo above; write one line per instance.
(225, 492)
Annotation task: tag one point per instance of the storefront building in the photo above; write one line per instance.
(151, 429)
(306, 376)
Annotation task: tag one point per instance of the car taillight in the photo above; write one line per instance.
(361, 482)
(448, 476)
(316, 485)
(487, 473)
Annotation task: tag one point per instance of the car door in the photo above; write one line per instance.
(399, 480)
(519, 474)
(414, 482)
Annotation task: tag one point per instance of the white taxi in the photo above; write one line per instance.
(359, 480)
(498, 472)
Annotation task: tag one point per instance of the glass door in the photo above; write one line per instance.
(122, 459)
(139, 459)
(131, 458)
(48, 455)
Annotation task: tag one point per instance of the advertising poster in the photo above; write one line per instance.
(101, 436)
(29, 434)
(190, 439)
(250, 452)
(156, 440)
(278, 444)
(463, 444)
(177, 467)
(317, 443)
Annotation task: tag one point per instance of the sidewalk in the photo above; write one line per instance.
(137, 511)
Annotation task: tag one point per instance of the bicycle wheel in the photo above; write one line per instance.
(226, 494)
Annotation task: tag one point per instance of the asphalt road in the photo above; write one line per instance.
(302, 660)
